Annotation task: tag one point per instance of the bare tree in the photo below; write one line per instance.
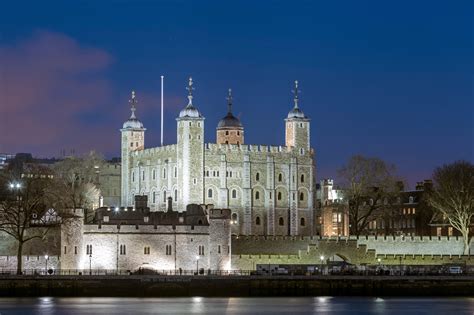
(453, 196)
(370, 188)
(76, 182)
(23, 201)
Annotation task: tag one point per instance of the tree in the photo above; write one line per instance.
(24, 200)
(453, 196)
(370, 188)
(76, 182)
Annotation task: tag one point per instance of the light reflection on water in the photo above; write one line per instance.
(261, 306)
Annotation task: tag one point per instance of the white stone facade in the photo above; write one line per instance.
(270, 189)
(164, 247)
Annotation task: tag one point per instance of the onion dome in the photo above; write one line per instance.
(133, 122)
(190, 111)
(229, 121)
(296, 112)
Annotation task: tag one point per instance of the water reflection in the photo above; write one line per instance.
(261, 306)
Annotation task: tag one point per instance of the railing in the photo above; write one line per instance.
(399, 270)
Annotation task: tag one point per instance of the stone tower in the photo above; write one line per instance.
(297, 127)
(230, 129)
(297, 141)
(72, 247)
(133, 139)
(190, 153)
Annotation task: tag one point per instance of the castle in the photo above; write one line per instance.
(270, 189)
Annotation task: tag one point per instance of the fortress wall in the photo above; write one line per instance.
(37, 262)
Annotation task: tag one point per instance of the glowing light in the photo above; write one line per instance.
(116, 209)
(46, 257)
(322, 258)
(197, 257)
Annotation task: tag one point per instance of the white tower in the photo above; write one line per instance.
(133, 139)
(190, 153)
(297, 126)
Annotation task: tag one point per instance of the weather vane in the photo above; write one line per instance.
(133, 102)
(296, 91)
(190, 91)
(229, 100)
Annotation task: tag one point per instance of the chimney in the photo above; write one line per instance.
(170, 204)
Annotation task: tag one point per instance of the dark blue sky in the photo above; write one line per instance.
(387, 79)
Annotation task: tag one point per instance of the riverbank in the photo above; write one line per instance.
(239, 286)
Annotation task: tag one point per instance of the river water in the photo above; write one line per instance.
(261, 306)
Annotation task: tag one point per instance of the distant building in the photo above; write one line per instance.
(333, 211)
(4, 159)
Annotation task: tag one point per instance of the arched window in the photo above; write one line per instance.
(301, 196)
(175, 195)
(302, 222)
(257, 220)
(280, 177)
(133, 176)
(164, 172)
(234, 193)
(279, 195)
(257, 195)
(209, 193)
(281, 221)
(257, 176)
(302, 178)
(153, 174)
(154, 196)
(164, 195)
(234, 217)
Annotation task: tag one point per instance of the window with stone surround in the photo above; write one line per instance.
(201, 250)
(302, 178)
(89, 249)
(153, 174)
(209, 193)
(164, 196)
(175, 195)
(279, 195)
(281, 222)
(168, 250)
(257, 221)
(257, 176)
(123, 249)
(146, 250)
(218, 249)
(302, 222)
(301, 196)
(280, 177)
(234, 193)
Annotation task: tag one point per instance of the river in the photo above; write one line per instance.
(261, 306)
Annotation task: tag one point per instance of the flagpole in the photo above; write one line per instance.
(162, 77)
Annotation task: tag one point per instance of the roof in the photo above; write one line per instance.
(230, 121)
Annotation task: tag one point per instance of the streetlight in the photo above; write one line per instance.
(90, 264)
(197, 264)
(379, 260)
(322, 259)
(46, 257)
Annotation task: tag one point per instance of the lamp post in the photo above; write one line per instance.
(197, 265)
(322, 259)
(46, 257)
(90, 264)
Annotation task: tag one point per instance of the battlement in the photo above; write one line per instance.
(145, 229)
(155, 150)
(214, 147)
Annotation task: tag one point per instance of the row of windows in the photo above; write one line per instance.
(146, 250)
(216, 174)
(281, 221)
(227, 133)
(210, 194)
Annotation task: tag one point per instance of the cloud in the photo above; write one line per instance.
(47, 82)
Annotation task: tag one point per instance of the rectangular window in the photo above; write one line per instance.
(123, 250)
(146, 250)
(218, 249)
(89, 249)
(168, 250)
(65, 250)
(75, 250)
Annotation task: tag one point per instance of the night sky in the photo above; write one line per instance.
(387, 79)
